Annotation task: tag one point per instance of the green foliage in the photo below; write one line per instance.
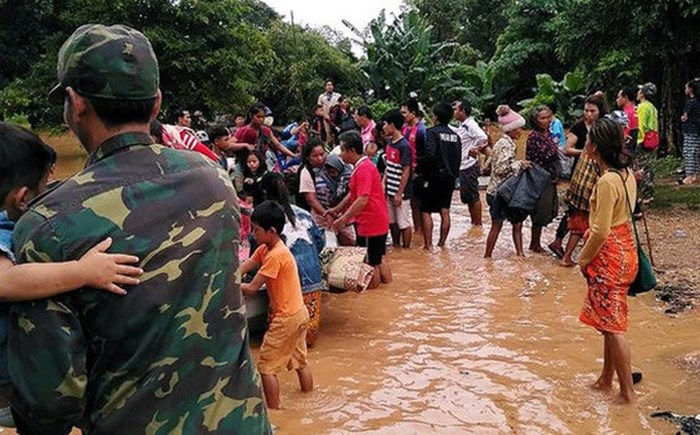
(221, 55)
(666, 167)
(14, 99)
(627, 42)
(302, 60)
(564, 94)
(401, 56)
(19, 119)
(217, 55)
(524, 48)
(473, 83)
(667, 196)
(473, 24)
(667, 193)
(380, 107)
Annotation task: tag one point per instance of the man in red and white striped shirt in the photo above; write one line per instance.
(187, 135)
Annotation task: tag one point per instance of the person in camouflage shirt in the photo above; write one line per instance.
(171, 356)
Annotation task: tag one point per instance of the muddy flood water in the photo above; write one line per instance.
(459, 344)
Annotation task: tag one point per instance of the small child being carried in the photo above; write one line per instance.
(25, 166)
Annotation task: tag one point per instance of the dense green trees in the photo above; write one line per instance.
(215, 55)
(627, 42)
(221, 55)
(511, 50)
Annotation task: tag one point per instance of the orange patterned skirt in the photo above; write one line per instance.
(312, 300)
(609, 276)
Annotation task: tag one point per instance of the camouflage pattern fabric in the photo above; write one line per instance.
(172, 356)
(114, 62)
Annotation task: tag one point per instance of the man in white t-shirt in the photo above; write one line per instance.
(474, 140)
(328, 99)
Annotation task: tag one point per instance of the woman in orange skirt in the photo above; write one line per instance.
(609, 258)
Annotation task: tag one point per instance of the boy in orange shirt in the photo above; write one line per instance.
(284, 344)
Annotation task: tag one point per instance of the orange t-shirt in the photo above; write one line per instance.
(282, 279)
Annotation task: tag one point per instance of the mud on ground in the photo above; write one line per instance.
(675, 241)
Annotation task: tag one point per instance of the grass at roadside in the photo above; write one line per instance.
(667, 192)
(666, 167)
(668, 195)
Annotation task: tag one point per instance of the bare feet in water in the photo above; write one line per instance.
(602, 386)
(625, 399)
(567, 263)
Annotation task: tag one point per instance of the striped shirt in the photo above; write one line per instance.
(398, 156)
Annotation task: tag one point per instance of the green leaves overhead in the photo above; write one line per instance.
(215, 55)
(565, 95)
(221, 55)
(401, 56)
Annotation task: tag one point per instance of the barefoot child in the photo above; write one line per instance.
(284, 344)
(25, 163)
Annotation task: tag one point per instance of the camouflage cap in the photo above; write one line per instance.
(114, 62)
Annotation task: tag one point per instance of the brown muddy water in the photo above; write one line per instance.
(459, 344)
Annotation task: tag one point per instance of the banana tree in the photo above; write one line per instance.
(566, 95)
(400, 56)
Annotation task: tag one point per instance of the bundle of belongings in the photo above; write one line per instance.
(529, 193)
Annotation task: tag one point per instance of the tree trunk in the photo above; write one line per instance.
(679, 60)
(675, 74)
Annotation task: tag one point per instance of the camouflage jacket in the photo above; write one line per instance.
(172, 356)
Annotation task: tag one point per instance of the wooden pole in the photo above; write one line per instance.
(646, 232)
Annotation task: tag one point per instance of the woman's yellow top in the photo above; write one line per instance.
(608, 209)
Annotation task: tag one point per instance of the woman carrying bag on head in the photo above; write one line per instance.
(609, 259)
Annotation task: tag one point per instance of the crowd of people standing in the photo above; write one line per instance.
(272, 201)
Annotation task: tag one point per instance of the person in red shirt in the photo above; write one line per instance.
(367, 206)
(255, 135)
(626, 98)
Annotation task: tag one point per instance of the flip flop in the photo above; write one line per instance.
(636, 377)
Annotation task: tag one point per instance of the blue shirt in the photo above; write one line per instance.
(557, 130)
(6, 228)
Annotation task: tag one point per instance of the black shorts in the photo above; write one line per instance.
(469, 184)
(436, 195)
(497, 208)
(376, 248)
(417, 189)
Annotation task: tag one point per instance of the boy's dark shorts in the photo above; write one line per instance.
(469, 184)
(376, 248)
(436, 195)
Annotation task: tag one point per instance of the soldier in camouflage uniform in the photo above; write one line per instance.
(172, 356)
